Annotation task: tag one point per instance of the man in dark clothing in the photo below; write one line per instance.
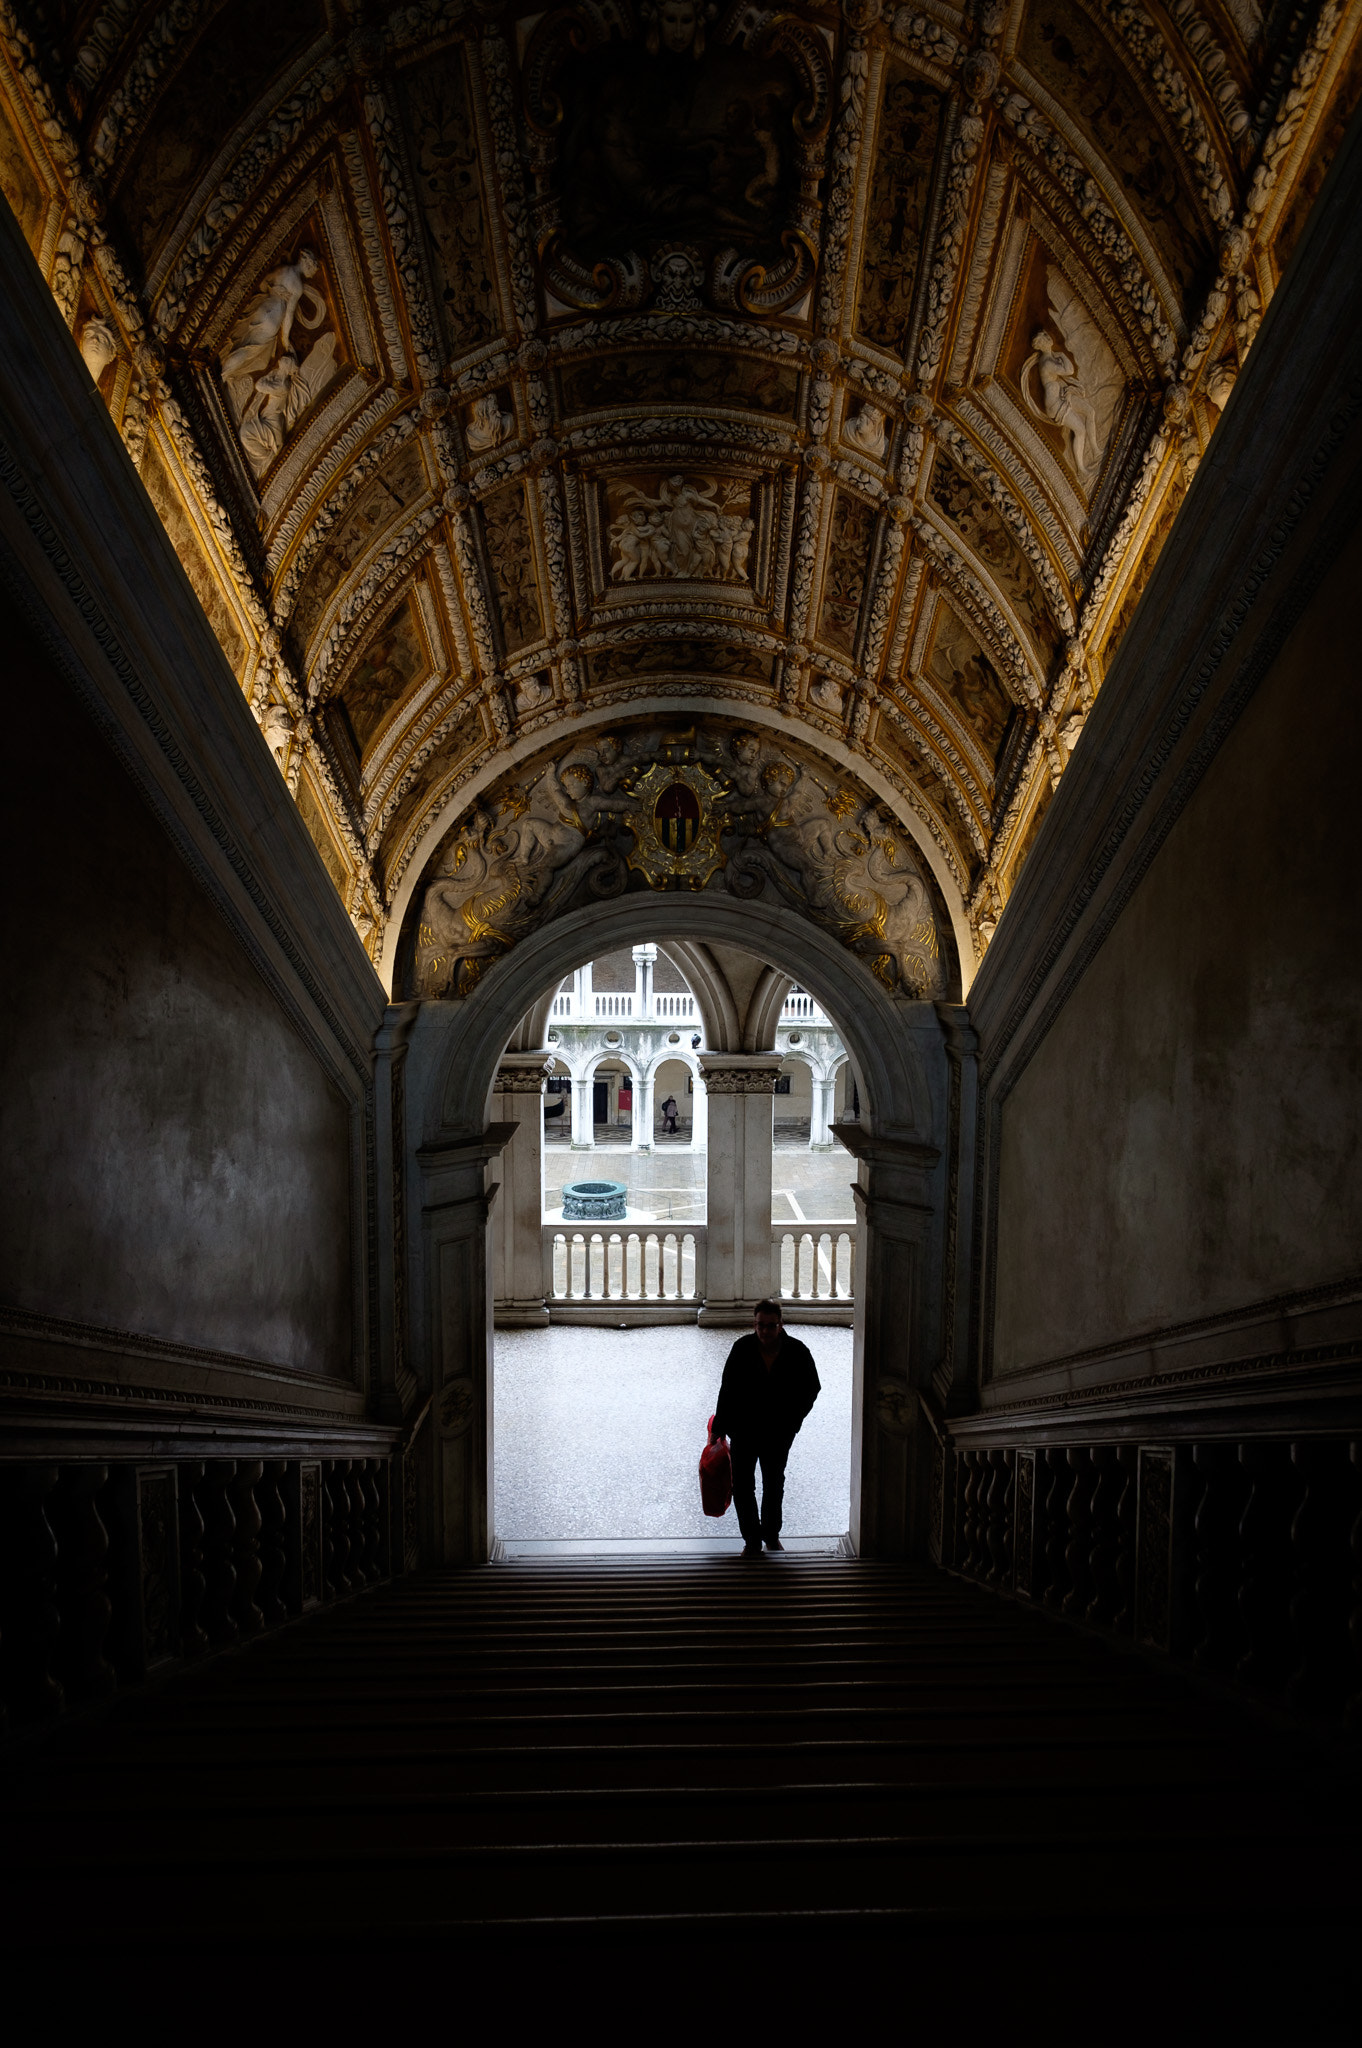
(770, 1383)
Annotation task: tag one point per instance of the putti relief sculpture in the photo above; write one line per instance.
(688, 530)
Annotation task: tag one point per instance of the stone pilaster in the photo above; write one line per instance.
(740, 1087)
(517, 1237)
(396, 1391)
(896, 1203)
(457, 1197)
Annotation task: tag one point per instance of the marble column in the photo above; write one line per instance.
(740, 1087)
(820, 1114)
(583, 1118)
(517, 1219)
(643, 1110)
(897, 1203)
(645, 958)
(457, 1193)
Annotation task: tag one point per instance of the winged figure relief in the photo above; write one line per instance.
(1079, 378)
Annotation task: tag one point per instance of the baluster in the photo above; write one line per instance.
(979, 1545)
(1106, 1591)
(1265, 1563)
(806, 1266)
(1128, 1466)
(1056, 1526)
(1220, 1635)
(1319, 1601)
(1078, 1549)
(193, 1583)
(338, 1502)
(30, 1619)
(562, 1278)
(219, 1544)
(246, 1546)
(359, 1526)
(690, 1285)
(1024, 1524)
(1001, 1506)
(614, 1266)
(273, 1555)
(329, 1588)
(633, 1267)
(376, 1494)
(825, 1266)
(671, 1267)
(652, 1274)
(966, 1494)
(82, 1583)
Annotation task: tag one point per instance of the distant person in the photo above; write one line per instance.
(669, 1114)
(769, 1385)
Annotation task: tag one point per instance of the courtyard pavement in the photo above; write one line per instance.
(806, 1186)
(598, 1433)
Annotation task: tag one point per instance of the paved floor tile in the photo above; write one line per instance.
(599, 1433)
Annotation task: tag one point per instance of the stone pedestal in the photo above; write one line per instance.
(517, 1219)
(457, 1193)
(897, 1204)
(740, 1087)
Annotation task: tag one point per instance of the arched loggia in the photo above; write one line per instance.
(456, 1056)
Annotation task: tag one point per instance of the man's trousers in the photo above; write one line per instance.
(771, 1453)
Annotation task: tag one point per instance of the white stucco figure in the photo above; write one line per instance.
(868, 431)
(280, 398)
(267, 324)
(488, 425)
(1079, 378)
(98, 346)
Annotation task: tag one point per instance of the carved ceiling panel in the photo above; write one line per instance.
(502, 377)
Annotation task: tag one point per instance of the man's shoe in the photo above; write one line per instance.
(774, 1543)
(751, 1550)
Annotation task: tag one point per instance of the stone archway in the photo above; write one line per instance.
(456, 1157)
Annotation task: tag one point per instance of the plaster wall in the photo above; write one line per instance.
(177, 1164)
(1187, 1138)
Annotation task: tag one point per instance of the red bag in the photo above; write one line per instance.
(716, 1476)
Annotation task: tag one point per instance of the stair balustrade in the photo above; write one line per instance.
(112, 1572)
(1242, 1557)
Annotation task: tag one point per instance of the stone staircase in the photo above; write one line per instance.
(785, 1753)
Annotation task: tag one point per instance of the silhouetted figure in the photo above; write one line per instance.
(769, 1385)
(669, 1123)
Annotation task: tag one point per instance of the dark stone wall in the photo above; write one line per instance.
(1188, 1138)
(176, 1161)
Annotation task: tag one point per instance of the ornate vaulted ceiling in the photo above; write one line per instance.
(504, 379)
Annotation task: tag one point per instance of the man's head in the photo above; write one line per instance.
(769, 1322)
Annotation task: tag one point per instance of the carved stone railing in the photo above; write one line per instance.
(1241, 1556)
(111, 1573)
(814, 1262)
(585, 1267)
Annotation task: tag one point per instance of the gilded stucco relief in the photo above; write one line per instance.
(503, 380)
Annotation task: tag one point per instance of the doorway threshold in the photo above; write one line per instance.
(510, 1548)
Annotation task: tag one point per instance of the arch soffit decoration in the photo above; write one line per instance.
(881, 458)
(895, 1094)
